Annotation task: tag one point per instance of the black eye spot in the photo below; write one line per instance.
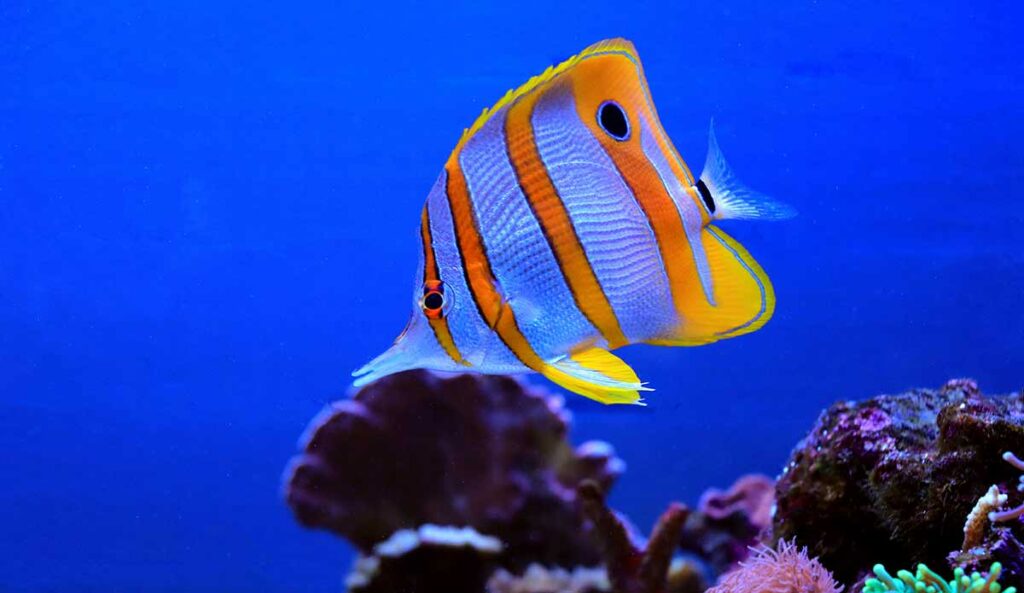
(613, 120)
(433, 301)
(705, 194)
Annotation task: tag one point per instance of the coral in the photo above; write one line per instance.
(540, 579)
(1016, 512)
(980, 515)
(892, 478)
(926, 581)
(632, 567)
(430, 558)
(993, 536)
(686, 576)
(752, 494)
(728, 524)
(471, 450)
(787, 569)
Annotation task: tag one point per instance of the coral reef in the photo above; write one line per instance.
(540, 579)
(471, 450)
(468, 483)
(1015, 513)
(1000, 545)
(430, 558)
(728, 524)
(787, 569)
(992, 535)
(926, 581)
(752, 494)
(980, 516)
(634, 567)
(892, 478)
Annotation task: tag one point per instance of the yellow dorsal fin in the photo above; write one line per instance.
(617, 45)
(597, 374)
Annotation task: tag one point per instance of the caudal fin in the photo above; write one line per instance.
(727, 198)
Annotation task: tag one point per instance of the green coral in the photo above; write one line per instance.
(926, 581)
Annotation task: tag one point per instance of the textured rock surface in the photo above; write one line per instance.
(892, 479)
(468, 450)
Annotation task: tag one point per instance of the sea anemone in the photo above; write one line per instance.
(786, 569)
(926, 581)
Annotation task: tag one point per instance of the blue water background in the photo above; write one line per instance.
(208, 218)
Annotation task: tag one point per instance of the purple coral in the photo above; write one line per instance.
(891, 479)
(467, 451)
(727, 524)
(787, 569)
(752, 494)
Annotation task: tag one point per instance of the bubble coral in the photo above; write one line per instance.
(786, 569)
(926, 581)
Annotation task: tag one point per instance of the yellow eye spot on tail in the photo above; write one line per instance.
(597, 374)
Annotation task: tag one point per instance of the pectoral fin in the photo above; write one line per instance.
(743, 296)
(597, 374)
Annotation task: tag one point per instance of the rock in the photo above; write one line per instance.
(891, 479)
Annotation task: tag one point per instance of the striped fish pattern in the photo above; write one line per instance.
(565, 225)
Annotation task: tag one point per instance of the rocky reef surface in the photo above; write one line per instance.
(470, 483)
(893, 478)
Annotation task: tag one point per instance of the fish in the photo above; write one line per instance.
(565, 225)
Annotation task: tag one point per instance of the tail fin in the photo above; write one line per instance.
(727, 198)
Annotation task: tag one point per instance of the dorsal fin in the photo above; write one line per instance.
(616, 45)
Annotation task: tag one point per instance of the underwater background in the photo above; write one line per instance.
(208, 217)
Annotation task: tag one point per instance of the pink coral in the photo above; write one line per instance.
(787, 569)
(752, 494)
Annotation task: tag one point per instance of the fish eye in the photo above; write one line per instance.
(613, 120)
(434, 301)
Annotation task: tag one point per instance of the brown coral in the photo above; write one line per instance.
(633, 568)
(787, 569)
(475, 451)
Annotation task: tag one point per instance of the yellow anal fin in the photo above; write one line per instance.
(744, 299)
(597, 374)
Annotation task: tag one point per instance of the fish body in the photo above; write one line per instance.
(565, 225)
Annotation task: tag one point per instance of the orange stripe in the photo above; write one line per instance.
(431, 273)
(551, 213)
(479, 277)
(665, 221)
(659, 208)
